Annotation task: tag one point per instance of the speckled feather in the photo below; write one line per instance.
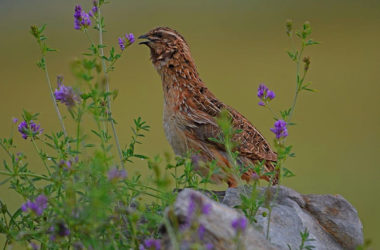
(190, 109)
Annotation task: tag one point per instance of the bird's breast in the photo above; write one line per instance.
(173, 132)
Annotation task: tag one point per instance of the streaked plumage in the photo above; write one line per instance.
(190, 110)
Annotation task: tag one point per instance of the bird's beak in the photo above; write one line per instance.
(144, 37)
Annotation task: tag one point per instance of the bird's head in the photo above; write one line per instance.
(164, 43)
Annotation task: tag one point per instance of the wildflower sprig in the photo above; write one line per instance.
(297, 56)
(280, 128)
(38, 34)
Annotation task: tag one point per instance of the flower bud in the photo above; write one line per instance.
(289, 27)
(306, 60)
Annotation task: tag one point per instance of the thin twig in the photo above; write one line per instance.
(24, 174)
(108, 87)
(53, 98)
(42, 158)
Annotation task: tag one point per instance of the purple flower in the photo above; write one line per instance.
(81, 18)
(33, 246)
(280, 129)
(121, 43)
(66, 165)
(31, 129)
(14, 120)
(255, 177)
(130, 38)
(127, 41)
(77, 17)
(270, 94)
(152, 244)
(209, 246)
(116, 174)
(58, 230)
(78, 11)
(86, 21)
(206, 208)
(201, 231)
(192, 206)
(264, 94)
(261, 90)
(65, 94)
(94, 10)
(239, 224)
(37, 207)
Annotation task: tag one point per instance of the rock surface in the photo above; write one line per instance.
(332, 222)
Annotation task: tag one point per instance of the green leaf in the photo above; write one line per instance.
(311, 42)
(292, 55)
(42, 28)
(288, 173)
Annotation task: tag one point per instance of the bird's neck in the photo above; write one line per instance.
(178, 74)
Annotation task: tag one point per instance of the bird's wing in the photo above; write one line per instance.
(201, 113)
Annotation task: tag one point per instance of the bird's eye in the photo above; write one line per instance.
(159, 35)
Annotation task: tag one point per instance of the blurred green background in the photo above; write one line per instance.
(236, 45)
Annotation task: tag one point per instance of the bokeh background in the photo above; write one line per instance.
(236, 45)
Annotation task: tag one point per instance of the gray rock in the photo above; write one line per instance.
(331, 221)
(217, 223)
(337, 217)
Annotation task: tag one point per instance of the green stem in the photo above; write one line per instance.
(171, 232)
(6, 150)
(79, 118)
(39, 153)
(12, 221)
(108, 88)
(88, 37)
(299, 82)
(141, 185)
(270, 109)
(278, 167)
(143, 192)
(25, 174)
(101, 135)
(53, 97)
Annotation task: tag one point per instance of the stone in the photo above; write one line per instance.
(332, 222)
(217, 223)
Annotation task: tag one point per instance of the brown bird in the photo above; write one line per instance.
(190, 112)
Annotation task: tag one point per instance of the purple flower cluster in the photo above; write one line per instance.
(201, 231)
(115, 174)
(197, 207)
(94, 11)
(191, 209)
(58, 230)
(37, 207)
(265, 94)
(67, 165)
(33, 246)
(81, 18)
(209, 246)
(31, 129)
(126, 41)
(65, 94)
(239, 224)
(280, 129)
(151, 244)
